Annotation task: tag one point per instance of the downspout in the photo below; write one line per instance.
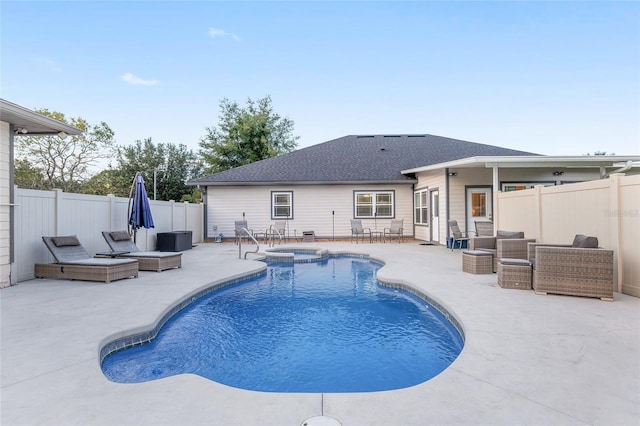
(627, 166)
(12, 277)
(446, 191)
(494, 204)
(205, 215)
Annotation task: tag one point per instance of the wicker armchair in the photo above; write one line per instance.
(574, 271)
(505, 244)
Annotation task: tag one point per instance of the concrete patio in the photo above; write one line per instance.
(528, 359)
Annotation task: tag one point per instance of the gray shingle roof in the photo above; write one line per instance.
(356, 158)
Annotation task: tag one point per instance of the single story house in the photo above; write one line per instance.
(423, 179)
(16, 121)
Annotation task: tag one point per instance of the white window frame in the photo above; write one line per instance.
(276, 197)
(512, 186)
(421, 207)
(375, 203)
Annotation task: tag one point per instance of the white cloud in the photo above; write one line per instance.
(137, 81)
(217, 32)
(49, 64)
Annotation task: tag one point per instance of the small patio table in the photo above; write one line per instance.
(377, 235)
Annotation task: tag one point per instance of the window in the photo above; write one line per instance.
(374, 204)
(421, 207)
(518, 186)
(282, 205)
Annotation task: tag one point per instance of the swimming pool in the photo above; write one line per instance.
(325, 326)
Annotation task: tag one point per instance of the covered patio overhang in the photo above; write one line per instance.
(606, 164)
(22, 122)
(27, 122)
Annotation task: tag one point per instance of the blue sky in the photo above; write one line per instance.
(555, 78)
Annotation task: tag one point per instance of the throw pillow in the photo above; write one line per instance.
(120, 236)
(509, 234)
(70, 240)
(582, 241)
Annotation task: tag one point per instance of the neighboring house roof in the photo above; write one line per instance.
(29, 122)
(356, 159)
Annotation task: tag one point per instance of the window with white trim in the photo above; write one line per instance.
(421, 207)
(374, 204)
(282, 205)
(518, 186)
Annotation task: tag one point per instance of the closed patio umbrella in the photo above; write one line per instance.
(140, 211)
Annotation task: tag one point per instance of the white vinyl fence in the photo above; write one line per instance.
(53, 213)
(608, 209)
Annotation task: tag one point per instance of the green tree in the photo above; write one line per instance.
(108, 181)
(173, 166)
(66, 161)
(28, 176)
(245, 135)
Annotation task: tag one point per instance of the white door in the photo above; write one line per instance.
(435, 216)
(479, 202)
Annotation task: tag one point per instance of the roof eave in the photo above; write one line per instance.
(532, 161)
(301, 183)
(32, 122)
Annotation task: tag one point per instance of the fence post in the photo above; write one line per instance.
(58, 212)
(537, 212)
(186, 215)
(614, 229)
(172, 205)
(112, 212)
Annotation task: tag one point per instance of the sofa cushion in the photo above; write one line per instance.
(70, 240)
(509, 234)
(120, 236)
(582, 241)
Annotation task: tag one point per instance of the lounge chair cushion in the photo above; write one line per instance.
(70, 240)
(509, 234)
(120, 236)
(582, 241)
(98, 261)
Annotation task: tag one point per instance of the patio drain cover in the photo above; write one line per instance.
(321, 421)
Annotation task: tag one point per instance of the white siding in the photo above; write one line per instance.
(430, 181)
(312, 208)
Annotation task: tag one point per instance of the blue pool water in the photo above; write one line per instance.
(305, 327)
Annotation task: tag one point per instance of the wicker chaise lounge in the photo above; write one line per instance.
(147, 260)
(73, 262)
(580, 269)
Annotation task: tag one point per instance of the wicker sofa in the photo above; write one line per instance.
(506, 244)
(578, 269)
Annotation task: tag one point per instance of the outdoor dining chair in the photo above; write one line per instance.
(394, 229)
(357, 230)
(457, 235)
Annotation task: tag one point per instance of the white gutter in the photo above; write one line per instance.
(531, 161)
